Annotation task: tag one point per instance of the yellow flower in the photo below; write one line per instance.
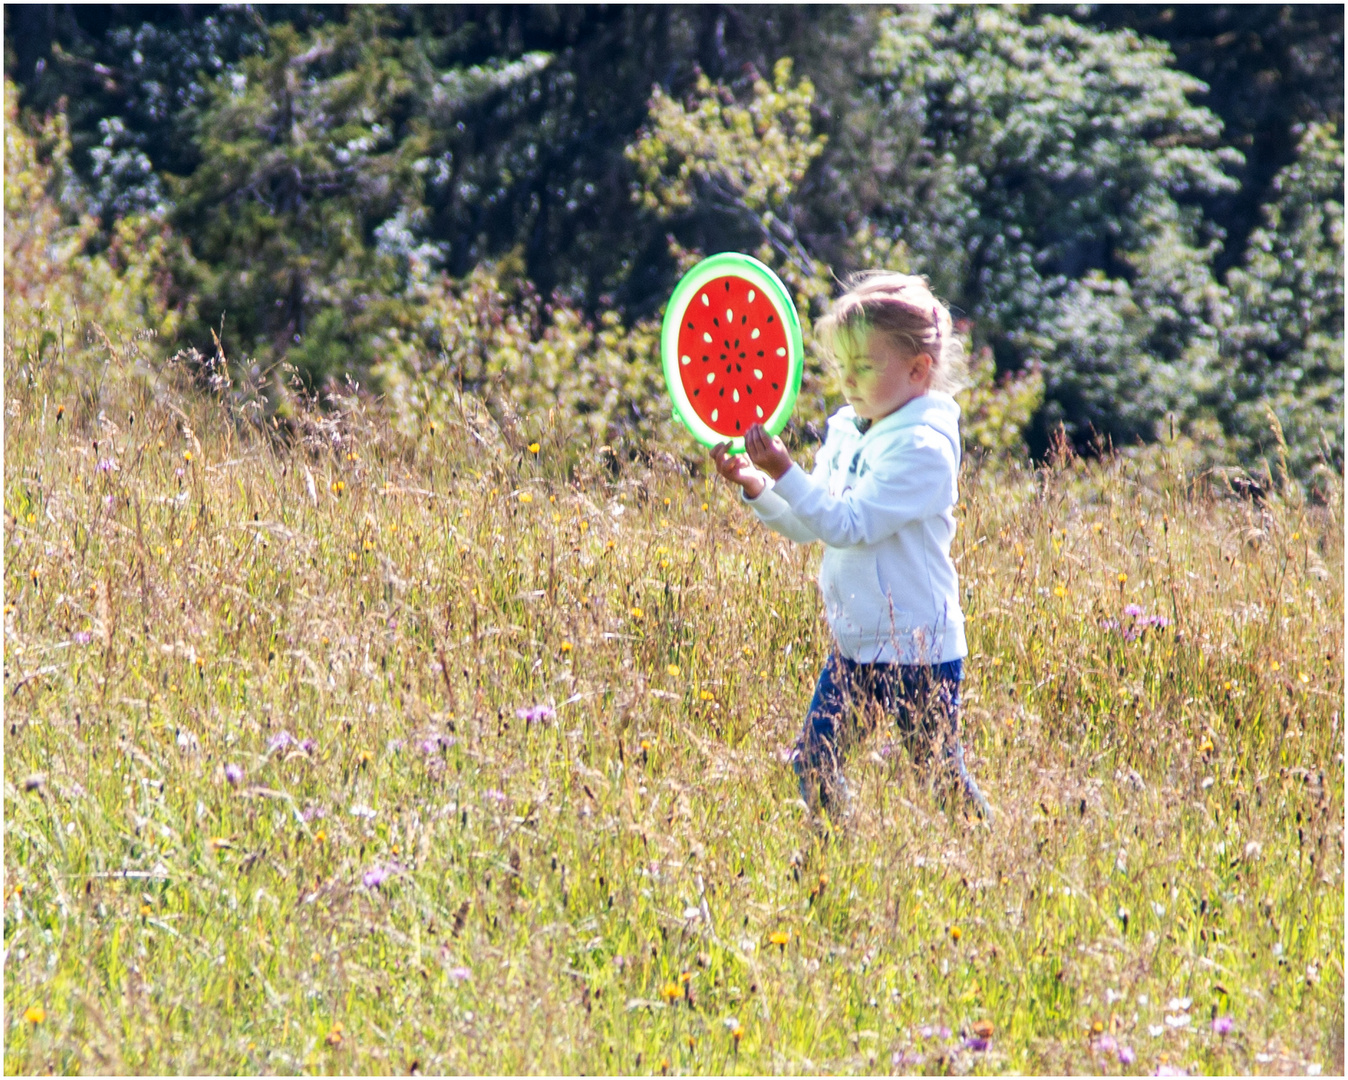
(1206, 747)
(956, 933)
(187, 456)
(321, 836)
(369, 545)
(338, 486)
(146, 910)
(706, 695)
(35, 1014)
(556, 519)
(1097, 1026)
(704, 506)
(566, 646)
(664, 564)
(534, 448)
(780, 937)
(1304, 677)
(673, 670)
(585, 525)
(667, 503)
(33, 517)
(1274, 666)
(645, 744)
(686, 977)
(737, 1034)
(1123, 578)
(638, 614)
(671, 990)
(525, 497)
(1060, 592)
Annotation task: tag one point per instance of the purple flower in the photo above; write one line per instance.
(107, 465)
(280, 741)
(495, 795)
(905, 1057)
(308, 746)
(459, 974)
(1223, 1025)
(1126, 1055)
(82, 637)
(311, 813)
(434, 743)
(234, 775)
(377, 875)
(1133, 610)
(1158, 622)
(536, 714)
(977, 1043)
(932, 1031)
(1169, 1070)
(1105, 1044)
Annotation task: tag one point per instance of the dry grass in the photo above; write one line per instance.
(352, 623)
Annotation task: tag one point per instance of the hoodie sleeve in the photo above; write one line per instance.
(908, 483)
(775, 512)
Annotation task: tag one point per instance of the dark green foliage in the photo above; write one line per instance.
(1156, 246)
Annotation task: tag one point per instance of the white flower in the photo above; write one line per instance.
(1179, 1021)
(1180, 1004)
(360, 810)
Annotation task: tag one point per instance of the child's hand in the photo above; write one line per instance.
(768, 452)
(736, 469)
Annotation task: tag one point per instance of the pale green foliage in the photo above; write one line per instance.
(996, 412)
(1285, 347)
(490, 341)
(54, 290)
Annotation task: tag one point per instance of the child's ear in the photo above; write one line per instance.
(922, 365)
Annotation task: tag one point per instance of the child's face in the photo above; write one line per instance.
(878, 375)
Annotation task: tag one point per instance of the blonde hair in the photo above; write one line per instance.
(902, 307)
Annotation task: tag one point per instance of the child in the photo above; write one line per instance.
(880, 498)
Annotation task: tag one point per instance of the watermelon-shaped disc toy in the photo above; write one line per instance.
(731, 349)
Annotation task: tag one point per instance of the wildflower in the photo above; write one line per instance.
(1223, 1025)
(565, 646)
(377, 875)
(334, 1037)
(977, 1044)
(706, 695)
(35, 1014)
(360, 810)
(496, 795)
(704, 506)
(525, 497)
(233, 775)
(338, 486)
(637, 614)
(1123, 578)
(321, 837)
(645, 744)
(187, 456)
(930, 1031)
(780, 937)
(1132, 610)
(1105, 1044)
(955, 933)
(82, 637)
(1178, 1021)
(1126, 1055)
(536, 714)
(673, 671)
(1059, 592)
(1274, 666)
(534, 448)
(671, 990)
(107, 465)
(280, 741)
(459, 974)
(1304, 678)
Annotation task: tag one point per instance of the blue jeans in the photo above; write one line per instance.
(923, 701)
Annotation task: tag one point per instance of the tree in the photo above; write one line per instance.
(1034, 168)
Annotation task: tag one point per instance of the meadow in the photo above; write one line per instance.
(329, 749)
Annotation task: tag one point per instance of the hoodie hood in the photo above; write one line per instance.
(936, 410)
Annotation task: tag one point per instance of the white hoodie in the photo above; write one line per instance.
(882, 504)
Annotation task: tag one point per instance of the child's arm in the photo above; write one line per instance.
(756, 492)
(916, 484)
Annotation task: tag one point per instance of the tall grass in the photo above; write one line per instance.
(332, 751)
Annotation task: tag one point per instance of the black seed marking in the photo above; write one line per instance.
(726, 344)
(769, 318)
(748, 389)
(727, 286)
(737, 367)
(760, 352)
(737, 343)
(715, 321)
(774, 386)
(722, 392)
(741, 356)
(727, 369)
(705, 359)
(737, 425)
(691, 326)
(744, 319)
(696, 392)
(723, 356)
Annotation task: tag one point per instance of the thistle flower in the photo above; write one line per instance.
(1223, 1025)
(977, 1043)
(459, 974)
(1126, 1055)
(82, 637)
(536, 714)
(233, 774)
